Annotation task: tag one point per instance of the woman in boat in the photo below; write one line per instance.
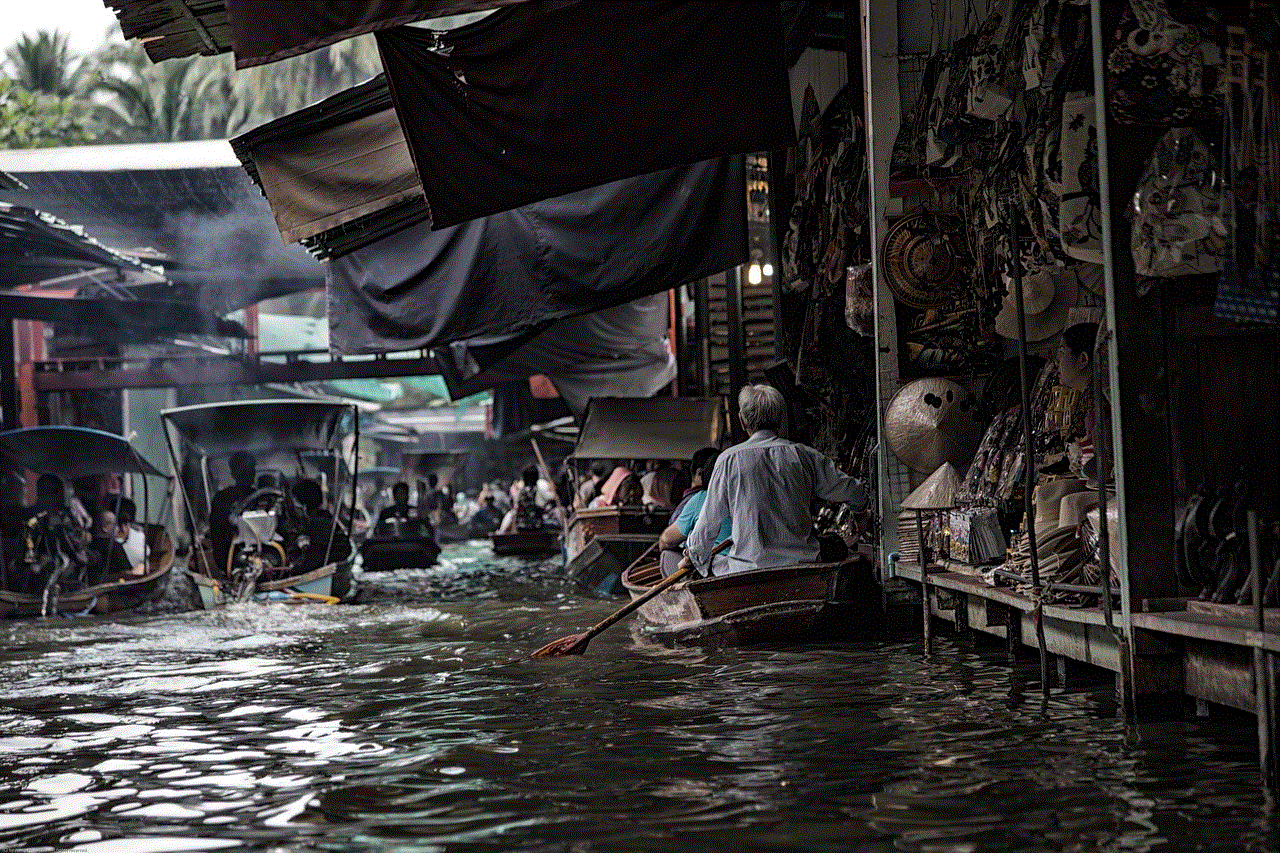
(678, 531)
(766, 485)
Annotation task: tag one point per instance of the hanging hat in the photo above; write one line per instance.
(929, 422)
(1048, 500)
(1083, 314)
(1046, 296)
(937, 492)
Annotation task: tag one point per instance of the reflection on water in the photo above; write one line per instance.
(415, 722)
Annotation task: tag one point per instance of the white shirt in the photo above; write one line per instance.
(134, 546)
(765, 485)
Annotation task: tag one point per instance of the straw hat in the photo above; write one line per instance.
(937, 492)
(1046, 296)
(929, 422)
(1048, 500)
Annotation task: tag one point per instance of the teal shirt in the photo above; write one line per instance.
(688, 517)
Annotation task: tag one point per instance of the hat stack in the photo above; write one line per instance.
(1047, 295)
(1060, 506)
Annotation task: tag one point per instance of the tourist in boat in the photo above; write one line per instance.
(590, 488)
(610, 487)
(435, 504)
(656, 491)
(326, 542)
(107, 557)
(765, 486)
(128, 533)
(678, 531)
(222, 529)
(530, 511)
(401, 519)
(486, 519)
(630, 492)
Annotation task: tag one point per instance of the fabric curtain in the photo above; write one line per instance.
(265, 32)
(514, 273)
(546, 98)
(618, 352)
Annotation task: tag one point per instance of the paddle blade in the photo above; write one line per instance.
(574, 644)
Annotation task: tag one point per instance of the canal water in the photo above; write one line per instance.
(415, 722)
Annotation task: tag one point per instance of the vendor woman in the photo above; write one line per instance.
(1075, 370)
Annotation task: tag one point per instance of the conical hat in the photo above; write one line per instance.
(937, 492)
(929, 422)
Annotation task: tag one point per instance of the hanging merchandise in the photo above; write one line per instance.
(1080, 208)
(924, 258)
(1164, 67)
(929, 422)
(987, 95)
(1047, 296)
(1249, 288)
(1179, 226)
(859, 300)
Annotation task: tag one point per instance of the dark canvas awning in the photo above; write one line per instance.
(265, 31)
(70, 451)
(545, 98)
(656, 428)
(258, 426)
(516, 272)
(617, 351)
(337, 174)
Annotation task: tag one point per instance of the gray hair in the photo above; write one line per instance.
(760, 407)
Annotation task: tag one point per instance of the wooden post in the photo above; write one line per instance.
(924, 583)
(1013, 631)
(1263, 681)
(737, 344)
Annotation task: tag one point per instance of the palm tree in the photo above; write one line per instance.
(174, 100)
(43, 62)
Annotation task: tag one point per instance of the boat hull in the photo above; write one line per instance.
(538, 543)
(384, 553)
(819, 602)
(103, 598)
(332, 580)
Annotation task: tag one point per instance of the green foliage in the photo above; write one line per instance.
(31, 120)
(116, 94)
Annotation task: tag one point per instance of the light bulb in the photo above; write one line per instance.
(768, 270)
(753, 274)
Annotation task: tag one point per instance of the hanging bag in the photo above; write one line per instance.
(1179, 225)
(1164, 70)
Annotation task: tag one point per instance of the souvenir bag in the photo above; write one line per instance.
(1164, 67)
(1080, 208)
(949, 126)
(986, 95)
(1179, 224)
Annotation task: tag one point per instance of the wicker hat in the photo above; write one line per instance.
(1048, 499)
(1046, 297)
(937, 492)
(929, 422)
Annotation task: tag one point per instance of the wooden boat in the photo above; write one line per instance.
(110, 596)
(72, 452)
(815, 602)
(386, 552)
(533, 543)
(668, 428)
(268, 559)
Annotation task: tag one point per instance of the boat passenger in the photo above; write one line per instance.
(529, 512)
(657, 491)
(128, 533)
(590, 488)
(222, 528)
(610, 487)
(435, 503)
(486, 519)
(106, 555)
(765, 485)
(630, 492)
(700, 458)
(327, 542)
(678, 531)
(401, 519)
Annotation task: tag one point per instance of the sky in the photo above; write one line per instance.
(84, 20)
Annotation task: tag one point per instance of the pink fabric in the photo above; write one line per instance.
(610, 488)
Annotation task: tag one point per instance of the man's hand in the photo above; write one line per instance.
(685, 563)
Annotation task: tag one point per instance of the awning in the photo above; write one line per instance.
(36, 246)
(545, 98)
(618, 351)
(172, 28)
(337, 174)
(657, 428)
(119, 319)
(516, 272)
(70, 451)
(220, 429)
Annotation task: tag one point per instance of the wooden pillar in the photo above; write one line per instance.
(8, 379)
(702, 335)
(737, 345)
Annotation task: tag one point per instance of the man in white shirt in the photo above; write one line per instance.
(128, 533)
(765, 485)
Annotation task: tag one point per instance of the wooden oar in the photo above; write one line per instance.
(638, 560)
(576, 644)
